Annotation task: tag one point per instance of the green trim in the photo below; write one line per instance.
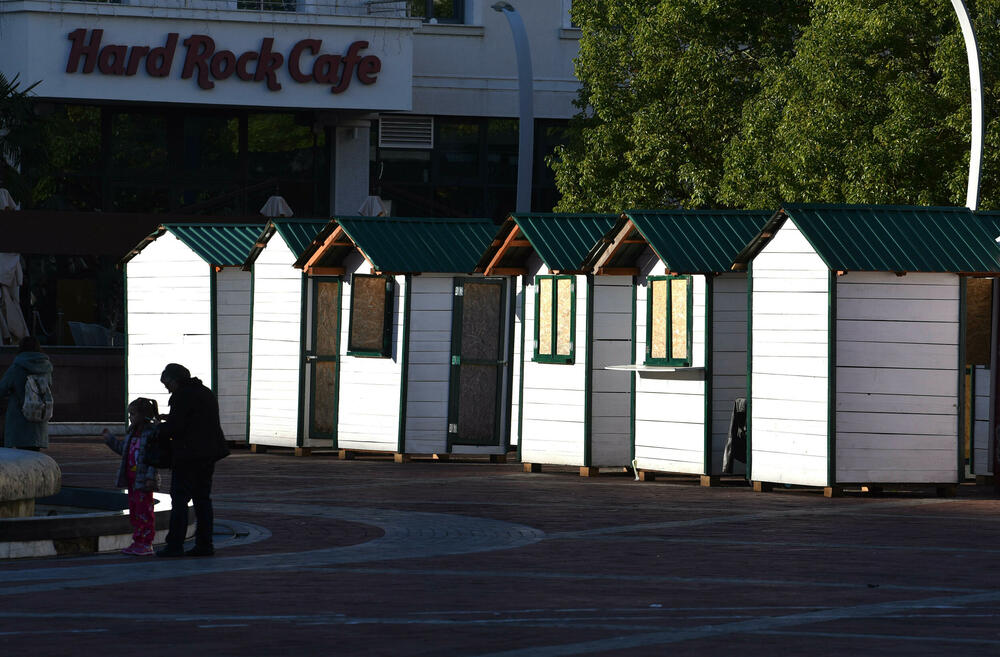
(669, 360)
(127, 340)
(831, 383)
(250, 353)
(971, 370)
(709, 346)
(960, 473)
(520, 378)
(749, 392)
(340, 363)
(300, 420)
(553, 357)
(588, 385)
(508, 368)
(213, 327)
(455, 352)
(390, 293)
(632, 377)
(404, 357)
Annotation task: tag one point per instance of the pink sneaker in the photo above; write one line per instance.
(137, 550)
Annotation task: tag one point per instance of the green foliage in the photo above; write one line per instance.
(704, 103)
(17, 120)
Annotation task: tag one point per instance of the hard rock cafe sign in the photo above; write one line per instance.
(203, 60)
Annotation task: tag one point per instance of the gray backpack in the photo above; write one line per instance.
(38, 402)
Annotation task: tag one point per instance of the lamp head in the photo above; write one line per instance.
(502, 6)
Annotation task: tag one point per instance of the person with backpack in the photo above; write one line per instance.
(28, 383)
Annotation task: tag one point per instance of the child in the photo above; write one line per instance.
(140, 478)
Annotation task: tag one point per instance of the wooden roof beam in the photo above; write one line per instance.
(498, 256)
(322, 249)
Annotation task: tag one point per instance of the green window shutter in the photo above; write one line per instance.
(370, 329)
(555, 319)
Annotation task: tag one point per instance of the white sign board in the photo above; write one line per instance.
(233, 59)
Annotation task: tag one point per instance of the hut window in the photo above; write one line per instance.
(370, 332)
(555, 319)
(668, 327)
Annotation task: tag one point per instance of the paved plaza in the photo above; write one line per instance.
(318, 556)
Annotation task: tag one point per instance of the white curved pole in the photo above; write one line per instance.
(526, 120)
(976, 91)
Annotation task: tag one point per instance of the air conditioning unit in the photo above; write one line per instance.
(402, 131)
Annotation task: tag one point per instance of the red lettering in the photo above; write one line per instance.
(199, 48)
(325, 69)
(368, 69)
(223, 64)
(350, 61)
(241, 65)
(268, 63)
(312, 45)
(161, 59)
(134, 58)
(88, 52)
(112, 60)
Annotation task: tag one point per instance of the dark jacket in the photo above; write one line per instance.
(19, 432)
(193, 425)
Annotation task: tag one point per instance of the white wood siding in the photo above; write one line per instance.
(981, 425)
(611, 391)
(790, 381)
(368, 415)
(232, 339)
(275, 403)
(897, 377)
(554, 394)
(169, 316)
(670, 408)
(729, 358)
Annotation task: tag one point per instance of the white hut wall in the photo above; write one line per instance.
(897, 377)
(982, 465)
(611, 390)
(169, 316)
(276, 350)
(790, 374)
(728, 358)
(670, 407)
(554, 413)
(232, 341)
(517, 359)
(370, 387)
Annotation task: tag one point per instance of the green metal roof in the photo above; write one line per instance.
(223, 245)
(299, 233)
(564, 241)
(698, 241)
(397, 244)
(897, 238)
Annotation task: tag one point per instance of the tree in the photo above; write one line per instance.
(17, 118)
(663, 83)
(872, 108)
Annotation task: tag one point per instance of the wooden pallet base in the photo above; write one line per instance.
(589, 471)
(985, 480)
(833, 491)
(498, 458)
(400, 457)
(258, 449)
(949, 490)
(303, 451)
(646, 475)
(532, 467)
(762, 487)
(710, 480)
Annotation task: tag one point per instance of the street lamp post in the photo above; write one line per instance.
(526, 116)
(976, 91)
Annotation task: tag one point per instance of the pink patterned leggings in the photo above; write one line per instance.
(140, 513)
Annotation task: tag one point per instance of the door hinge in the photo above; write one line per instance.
(452, 428)
(456, 360)
(460, 291)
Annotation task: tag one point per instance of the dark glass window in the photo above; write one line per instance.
(441, 11)
(266, 5)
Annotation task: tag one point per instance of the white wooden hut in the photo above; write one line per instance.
(857, 340)
(188, 301)
(689, 332)
(571, 411)
(420, 346)
(280, 295)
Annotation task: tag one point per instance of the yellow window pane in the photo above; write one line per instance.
(679, 318)
(564, 311)
(544, 318)
(658, 317)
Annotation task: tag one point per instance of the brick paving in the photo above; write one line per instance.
(368, 557)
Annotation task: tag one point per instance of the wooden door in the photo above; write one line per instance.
(478, 366)
(322, 361)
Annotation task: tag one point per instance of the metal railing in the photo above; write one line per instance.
(381, 8)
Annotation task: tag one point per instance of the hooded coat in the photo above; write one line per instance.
(19, 432)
